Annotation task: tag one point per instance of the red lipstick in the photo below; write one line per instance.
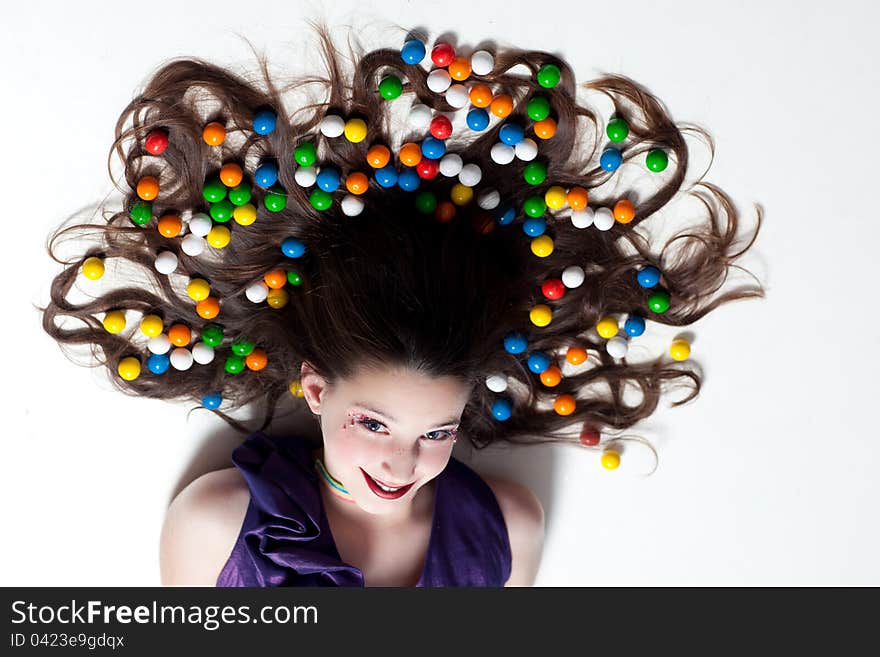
(384, 494)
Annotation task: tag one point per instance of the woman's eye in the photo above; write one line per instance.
(368, 423)
(443, 435)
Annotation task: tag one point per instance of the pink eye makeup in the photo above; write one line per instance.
(373, 425)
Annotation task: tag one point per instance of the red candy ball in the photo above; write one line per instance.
(442, 54)
(589, 437)
(156, 142)
(441, 127)
(428, 169)
(553, 288)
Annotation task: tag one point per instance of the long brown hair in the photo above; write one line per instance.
(394, 285)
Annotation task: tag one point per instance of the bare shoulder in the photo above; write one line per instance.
(524, 517)
(201, 527)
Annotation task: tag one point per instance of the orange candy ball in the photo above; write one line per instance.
(501, 105)
(180, 335)
(410, 154)
(576, 355)
(170, 225)
(551, 376)
(460, 68)
(480, 95)
(214, 133)
(231, 174)
(564, 404)
(624, 211)
(545, 129)
(208, 308)
(148, 188)
(445, 211)
(577, 198)
(276, 279)
(378, 156)
(256, 360)
(357, 182)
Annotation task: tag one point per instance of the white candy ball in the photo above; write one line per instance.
(489, 199)
(439, 80)
(200, 224)
(420, 116)
(181, 359)
(352, 205)
(332, 125)
(496, 382)
(166, 262)
(457, 96)
(617, 346)
(470, 175)
(502, 153)
(573, 276)
(451, 165)
(305, 176)
(159, 344)
(482, 62)
(257, 292)
(582, 218)
(202, 353)
(193, 245)
(527, 149)
(603, 219)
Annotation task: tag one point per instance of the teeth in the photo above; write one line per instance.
(387, 490)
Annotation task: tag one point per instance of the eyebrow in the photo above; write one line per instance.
(366, 407)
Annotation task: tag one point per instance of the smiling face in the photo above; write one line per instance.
(395, 425)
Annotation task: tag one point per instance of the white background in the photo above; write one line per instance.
(769, 478)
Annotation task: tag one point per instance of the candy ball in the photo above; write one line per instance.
(129, 368)
(208, 308)
(659, 301)
(577, 198)
(212, 401)
(328, 179)
(264, 122)
(459, 68)
(214, 190)
(515, 342)
(420, 115)
(156, 142)
(502, 409)
(390, 87)
(386, 176)
(200, 224)
(445, 212)
(501, 105)
(573, 276)
(275, 279)
(148, 188)
(505, 215)
(470, 175)
(482, 62)
(234, 364)
(114, 321)
(320, 200)
(295, 389)
(634, 326)
(442, 54)
(502, 153)
(589, 437)
(534, 226)
(541, 315)
(553, 289)
(452, 165)
(611, 159)
(181, 359)
(193, 245)
(293, 247)
(511, 134)
(551, 376)
(257, 292)
(408, 180)
(158, 363)
(352, 206)
(277, 298)
(426, 202)
(555, 197)
(583, 218)
(202, 353)
(657, 160)
(169, 225)
(535, 206)
(293, 277)
(648, 276)
(617, 346)
(152, 325)
(231, 174)
(93, 268)
(576, 355)
(305, 176)
(607, 327)
(489, 199)
(214, 133)
(357, 182)
(266, 174)
(477, 119)
(610, 459)
(441, 126)
(496, 382)
(428, 169)
(413, 51)
(221, 212)
(212, 335)
(545, 129)
(538, 108)
(527, 150)
(198, 289)
(565, 404)
(355, 130)
(439, 80)
(242, 347)
(461, 194)
(240, 195)
(180, 335)
(377, 157)
(624, 211)
(246, 214)
(219, 237)
(480, 95)
(538, 361)
(141, 213)
(548, 76)
(617, 129)
(332, 125)
(603, 219)
(256, 360)
(159, 345)
(542, 246)
(680, 349)
(433, 148)
(457, 96)
(410, 154)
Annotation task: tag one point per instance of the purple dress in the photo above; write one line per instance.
(285, 538)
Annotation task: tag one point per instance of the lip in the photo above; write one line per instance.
(384, 494)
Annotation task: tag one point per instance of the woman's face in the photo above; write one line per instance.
(395, 425)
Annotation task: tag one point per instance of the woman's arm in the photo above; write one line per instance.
(524, 517)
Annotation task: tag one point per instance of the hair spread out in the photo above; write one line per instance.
(436, 291)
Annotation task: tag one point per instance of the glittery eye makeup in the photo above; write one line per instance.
(369, 424)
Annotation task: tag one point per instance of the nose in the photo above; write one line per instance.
(400, 460)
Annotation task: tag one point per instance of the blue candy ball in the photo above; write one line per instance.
(409, 180)
(634, 326)
(158, 363)
(648, 276)
(505, 214)
(328, 179)
(515, 342)
(264, 122)
(292, 247)
(534, 226)
(387, 176)
(266, 174)
(212, 401)
(433, 148)
(538, 362)
(502, 409)
(413, 51)
(611, 159)
(478, 119)
(511, 134)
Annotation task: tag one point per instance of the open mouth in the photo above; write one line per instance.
(383, 491)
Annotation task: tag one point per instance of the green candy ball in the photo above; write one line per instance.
(242, 347)
(657, 160)
(294, 278)
(617, 129)
(214, 190)
(240, 195)
(534, 206)
(426, 202)
(234, 364)
(659, 301)
(275, 199)
(141, 212)
(549, 76)
(535, 172)
(320, 199)
(305, 154)
(212, 335)
(538, 108)
(221, 212)
(390, 87)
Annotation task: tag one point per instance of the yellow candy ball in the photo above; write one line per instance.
(296, 389)
(680, 349)
(114, 321)
(93, 268)
(129, 368)
(542, 246)
(245, 214)
(556, 197)
(151, 326)
(219, 237)
(277, 298)
(355, 130)
(541, 315)
(198, 289)
(461, 194)
(610, 459)
(607, 327)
